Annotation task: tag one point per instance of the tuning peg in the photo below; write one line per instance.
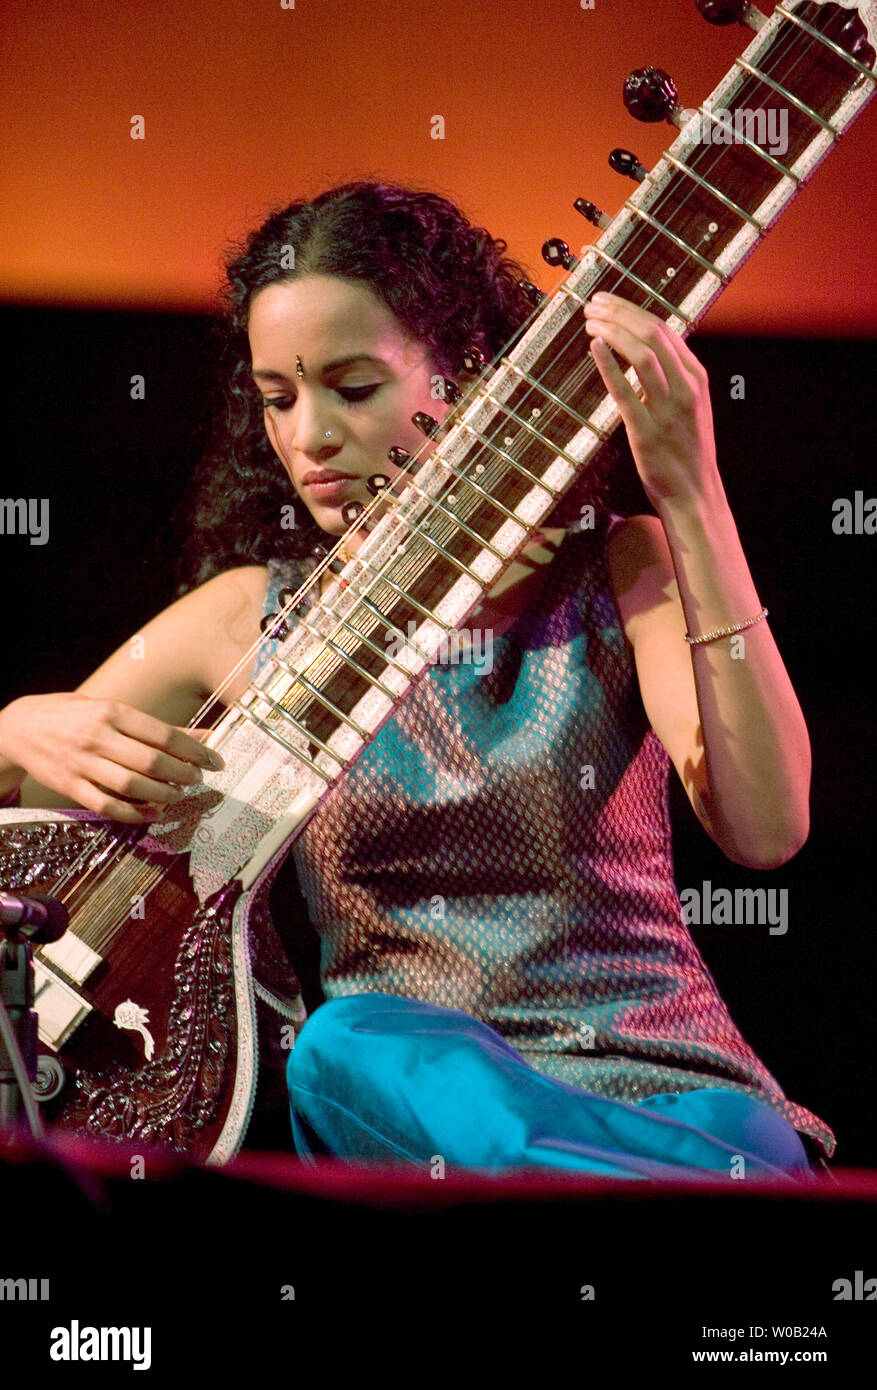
(425, 423)
(474, 359)
(378, 482)
(593, 213)
(400, 457)
(533, 292)
(274, 626)
(556, 252)
(650, 95)
(285, 597)
(625, 162)
(731, 12)
(350, 511)
(451, 392)
(852, 37)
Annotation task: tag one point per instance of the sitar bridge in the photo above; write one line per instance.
(60, 1010)
(71, 955)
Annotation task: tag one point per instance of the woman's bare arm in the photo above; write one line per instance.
(166, 670)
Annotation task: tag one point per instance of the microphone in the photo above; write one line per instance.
(37, 917)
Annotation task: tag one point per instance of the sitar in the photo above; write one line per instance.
(157, 1004)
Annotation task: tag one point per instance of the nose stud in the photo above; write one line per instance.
(328, 434)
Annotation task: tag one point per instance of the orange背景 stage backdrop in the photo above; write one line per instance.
(248, 104)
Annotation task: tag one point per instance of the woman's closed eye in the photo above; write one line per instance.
(350, 395)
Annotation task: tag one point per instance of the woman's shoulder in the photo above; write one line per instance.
(233, 592)
(251, 588)
(633, 543)
(216, 625)
(605, 555)
(641, 571)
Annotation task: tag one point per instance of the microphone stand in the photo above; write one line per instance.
(18, 1040)
(19, 1049)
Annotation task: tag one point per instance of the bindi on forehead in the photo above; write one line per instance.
(335, 365)
(325, 314)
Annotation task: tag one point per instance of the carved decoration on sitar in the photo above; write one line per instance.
(168, 1100)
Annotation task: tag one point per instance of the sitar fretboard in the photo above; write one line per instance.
(522, 433)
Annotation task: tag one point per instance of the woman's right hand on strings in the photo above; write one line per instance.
(94, 751)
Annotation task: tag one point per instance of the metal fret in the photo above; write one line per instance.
(555, 448)
(419, 534)
(653, 294)
(722, 197)
(366, 642)
(373, 647)
(385, 579)
(539, 386)
(778, 87)
(462, 525)
(409, 641)
(342, 622)
(751, 145)
(423, 535)
(683, 245)
(829, 43)
(345, 657)
(544, 439)
(272, 733)
(537, 434)
(514, 463)
(302, 728)
(470, 482)
(314, 690)
(379, 685)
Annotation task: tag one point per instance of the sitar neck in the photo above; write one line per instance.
(527, 427)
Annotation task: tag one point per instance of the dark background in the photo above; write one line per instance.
(113, 469)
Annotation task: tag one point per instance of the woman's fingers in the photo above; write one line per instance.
(121, 779)
(199, 733)
(177, 743)
(103, 753)
(652, 360)
(93, 798)
(143, 772)
(146, 761)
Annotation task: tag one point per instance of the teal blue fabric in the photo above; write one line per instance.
(502, 848)
(376, 1077)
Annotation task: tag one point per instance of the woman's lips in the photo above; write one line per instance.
(329, 487)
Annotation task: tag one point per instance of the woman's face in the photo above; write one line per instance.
(361, 378)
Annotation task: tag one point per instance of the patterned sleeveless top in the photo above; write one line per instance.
(503, 846)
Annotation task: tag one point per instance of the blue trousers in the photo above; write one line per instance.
(385, 1078)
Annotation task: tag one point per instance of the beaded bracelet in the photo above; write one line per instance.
(726, 631)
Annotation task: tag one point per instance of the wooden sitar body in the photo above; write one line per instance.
(163, 1033)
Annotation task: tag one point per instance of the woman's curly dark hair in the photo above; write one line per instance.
(445, 280)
